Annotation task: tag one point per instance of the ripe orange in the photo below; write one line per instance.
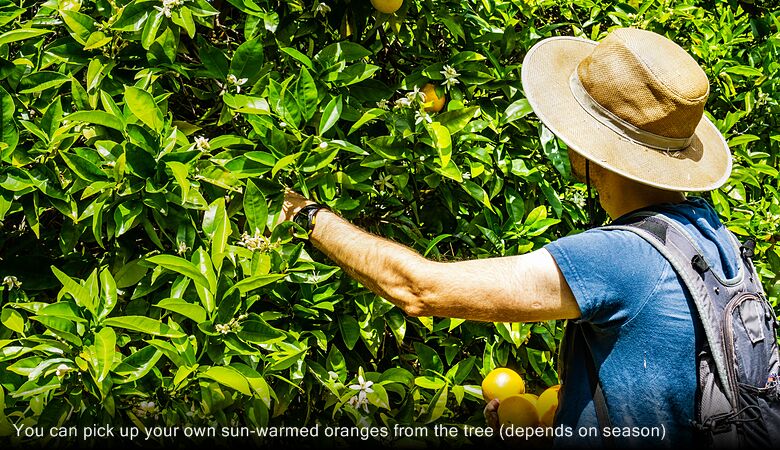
(547, 405)
(387, 6)
(433, 103)
(517, 411)
(502, 383)
(533, 398)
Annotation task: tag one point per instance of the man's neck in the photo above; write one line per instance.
(626, 196)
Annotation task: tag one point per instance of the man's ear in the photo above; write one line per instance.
(577, 163)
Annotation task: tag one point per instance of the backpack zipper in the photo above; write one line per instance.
(728, 343)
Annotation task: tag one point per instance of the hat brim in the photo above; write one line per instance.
(703, 166)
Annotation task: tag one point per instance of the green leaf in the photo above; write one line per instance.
(182, 266)
(185, 308)
(108, 293)
(476, 192)
(133, 16)
(79, 293)
(151, 27)
(298, 56)
(255, 282)
(256, 381)
(201, 260)
(138, 364)
(12, 320)
(456, 120)
(257, 331)
(180, 173)
(9, 134)
(21, 34)
(97, 117)
(340, 52)
(517, 110)
(428, 358)
(308, 97)
(83, 168)
(558, 157)
(142, 105)
(143, 325)
(105, 342)
(215, 62)
(255, 209)
(32, 388)
(247, 59)
(42, 80)
(284, 162)
(438, 404)
(350, 330)
(331, 114)
(371, 114)
(378, 397)
(320, 159)
(228, 376)
(220, 235)
(79, 25)
(442, 141)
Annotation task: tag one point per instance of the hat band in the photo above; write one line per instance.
(620, 126)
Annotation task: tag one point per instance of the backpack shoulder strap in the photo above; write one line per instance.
(676, 245)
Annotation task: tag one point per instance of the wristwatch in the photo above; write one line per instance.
(306, 216)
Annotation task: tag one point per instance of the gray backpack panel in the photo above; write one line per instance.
(738, 397)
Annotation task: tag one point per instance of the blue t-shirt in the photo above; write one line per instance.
(646, 337)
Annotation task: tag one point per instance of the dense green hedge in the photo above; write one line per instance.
(145, 146)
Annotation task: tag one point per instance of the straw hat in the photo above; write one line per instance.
(632, 103)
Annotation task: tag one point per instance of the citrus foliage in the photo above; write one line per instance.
(145, 146)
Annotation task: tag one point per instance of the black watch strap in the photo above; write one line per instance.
(306, 216)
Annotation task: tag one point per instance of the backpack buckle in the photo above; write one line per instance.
(699, 264)
(748, 249)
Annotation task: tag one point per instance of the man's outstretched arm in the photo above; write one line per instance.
(521, 288)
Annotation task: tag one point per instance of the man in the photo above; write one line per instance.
(630, 109)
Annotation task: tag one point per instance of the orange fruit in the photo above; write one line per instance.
(548, 404)
(387, 6)
(433, 103)
(517, 411)
(501, 383)
(533, 398)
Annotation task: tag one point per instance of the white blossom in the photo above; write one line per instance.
(416, 95)
(182, 248)
(421, 116)
(62, 369)
(202, 144)
(146, 409)
(256, 242)
(385, 183)
(402, 102)
(450, 77)
(363, 388)
(168, 6)
(235, 81)
(321, 9)
(11, 282)
(232, 326)
(69, 5)
(323, 145)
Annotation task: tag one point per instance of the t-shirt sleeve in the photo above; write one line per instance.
(612, 273)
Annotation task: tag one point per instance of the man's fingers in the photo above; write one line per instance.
(491, 413)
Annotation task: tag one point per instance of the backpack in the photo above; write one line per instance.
(738, 395)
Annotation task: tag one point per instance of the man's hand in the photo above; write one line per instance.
(293, 202)
(491, 415)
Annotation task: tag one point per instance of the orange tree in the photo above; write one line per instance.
(145, 145)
